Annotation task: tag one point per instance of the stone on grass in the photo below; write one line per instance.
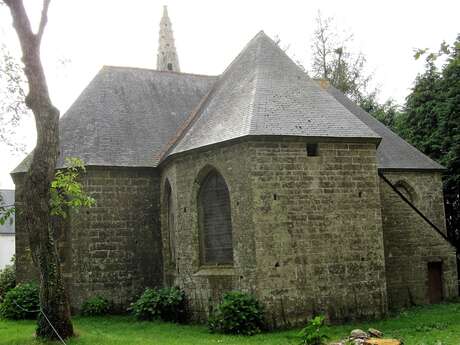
(375, 333)
(358, 334)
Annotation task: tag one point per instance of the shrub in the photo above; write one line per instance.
(22, 302)
(146, 307)
(312, 333)
(168, 304)
(239, 313)
(173, 305)
(96, 306)
(7, 280)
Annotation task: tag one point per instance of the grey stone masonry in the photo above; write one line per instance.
(167, 59)
(111, 249)
(307, 231)
(410, 243)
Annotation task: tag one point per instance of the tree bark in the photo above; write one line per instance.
(37, 183)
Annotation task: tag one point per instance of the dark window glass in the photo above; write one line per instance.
(312, 150)
(170, 214)
(215, 219)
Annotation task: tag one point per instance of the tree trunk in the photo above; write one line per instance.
(36, 212)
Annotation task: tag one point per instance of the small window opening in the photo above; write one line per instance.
(169, 66)
(274, 196)
(312, 150)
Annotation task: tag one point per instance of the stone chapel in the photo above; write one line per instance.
(259, 179)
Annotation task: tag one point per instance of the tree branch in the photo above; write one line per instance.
(21, 23)
(43, 19)
(30, 46)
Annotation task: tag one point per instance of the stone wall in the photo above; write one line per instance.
(410, 243)
(205, 285)
(306, 230)
(112, 249)
(318, 234)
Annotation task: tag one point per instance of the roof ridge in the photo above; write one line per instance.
(180, 133)
(261, 32)
(158, 71)
(256, 84)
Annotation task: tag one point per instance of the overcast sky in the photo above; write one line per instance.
(87, 34)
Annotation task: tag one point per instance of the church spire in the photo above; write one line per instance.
(167, 59)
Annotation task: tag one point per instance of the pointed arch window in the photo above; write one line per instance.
(406, 189)
(170, 222)
(215, 220)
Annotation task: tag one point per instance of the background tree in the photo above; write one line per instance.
(388, 113)
(334, 61)
(431, 122)
(37, 182)
(12, 94)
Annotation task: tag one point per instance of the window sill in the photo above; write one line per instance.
(218, 270)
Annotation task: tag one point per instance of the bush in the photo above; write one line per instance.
(168, 304)
(7, 280)
(239, 313)
(312, 333)
(173, 305)
(96, 306)
(22, 302)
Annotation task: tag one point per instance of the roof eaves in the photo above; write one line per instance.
(403, 169)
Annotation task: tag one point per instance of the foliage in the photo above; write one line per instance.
(7, 280)
(173, 305)
(12, 95)
(96, 306)
(431, 122)
(333, 60)
(21, 302)
(387, 113)
(6, 213)
(313, 333)
(147, 306)
(66, 191)
(168, 304)
(239, 313)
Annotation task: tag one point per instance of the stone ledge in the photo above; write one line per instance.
(215, 271)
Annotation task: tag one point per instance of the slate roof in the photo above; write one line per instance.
(7, 199)
(126, 115)
(393, 152)
(263, 92)
(133, 117)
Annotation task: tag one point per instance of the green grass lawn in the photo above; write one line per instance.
(429, 325)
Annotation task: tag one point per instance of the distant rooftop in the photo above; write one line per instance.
(7, 199)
